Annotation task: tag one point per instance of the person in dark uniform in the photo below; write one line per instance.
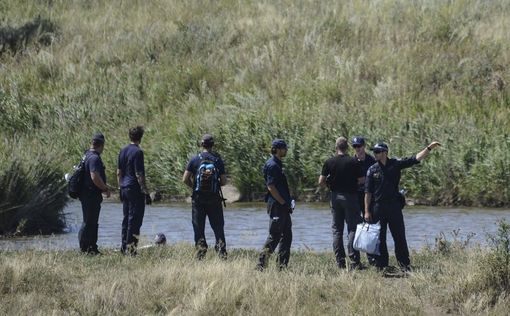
(279, 208)
(366, 160)
(382, 187)
(343, 174)
(94, 184)
(205, 174)
(133, 190)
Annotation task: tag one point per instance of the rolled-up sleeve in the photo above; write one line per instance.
(271, 175)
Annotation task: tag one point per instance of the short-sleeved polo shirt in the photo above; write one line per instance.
(130, 163)
(93, 163)
(274, 175)
(383, 180)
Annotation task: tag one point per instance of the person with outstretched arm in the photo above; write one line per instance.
(382, 189)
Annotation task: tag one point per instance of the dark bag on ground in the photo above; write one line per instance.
(74, 185)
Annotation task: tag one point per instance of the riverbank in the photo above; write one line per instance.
(448, 279)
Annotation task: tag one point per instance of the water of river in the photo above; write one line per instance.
(246, 226)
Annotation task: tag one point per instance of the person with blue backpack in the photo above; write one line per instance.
(205, 175)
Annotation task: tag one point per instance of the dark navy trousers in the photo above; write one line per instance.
(90, 206)
(212, 208)
(280, 233)
(134, 209)
(389, 213)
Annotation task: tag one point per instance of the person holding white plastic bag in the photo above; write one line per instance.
(382, 184)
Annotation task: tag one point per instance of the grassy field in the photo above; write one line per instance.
(448, 279)
(406, 72)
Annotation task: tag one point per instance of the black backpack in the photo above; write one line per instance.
(75, 181)
(207, 177)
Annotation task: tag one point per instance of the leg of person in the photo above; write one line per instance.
(217, 221)
(198, 219)
(286, 240)
(94, 222)
(125, 211)
(397, 229)
(274, 237)
(380, 216)
(352, 218)
(83, 237)
(338, 228)
(137, 212)
(361, 201)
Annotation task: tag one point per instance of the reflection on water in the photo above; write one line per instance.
(246, 226)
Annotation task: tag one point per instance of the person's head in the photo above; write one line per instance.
(160, 239)
(358, 143)
(341, 144)
(97, 142)
(279, 148)
(207, 141)
(136, 134)
(380, 151)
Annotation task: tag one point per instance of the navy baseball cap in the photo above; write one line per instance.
(98, 137)
(358, 140)
(279, 144)
(380, 147)
(207, 140)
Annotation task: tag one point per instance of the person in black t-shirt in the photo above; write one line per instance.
(343, 174)
(207, 203)
(94, 184)
(381, 189)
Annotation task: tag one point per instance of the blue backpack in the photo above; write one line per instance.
(207, 177)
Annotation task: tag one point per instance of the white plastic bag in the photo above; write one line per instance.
(367, 238)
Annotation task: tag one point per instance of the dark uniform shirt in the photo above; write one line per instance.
(194, 163)
(274, 175)
(93, 163)
(383, 180)
(343, 173)
(130, 163)
(365, 164)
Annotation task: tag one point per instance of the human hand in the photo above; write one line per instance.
(368, 216)
(148, 199)
(433, 145)
(107, 193)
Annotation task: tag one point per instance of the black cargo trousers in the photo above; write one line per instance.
(389, 213)
(280, 233)
(210, 206)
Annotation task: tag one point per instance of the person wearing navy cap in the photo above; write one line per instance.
(279, 207)
(382, 189)
(366, 160)
(94, 184)
(205, 174)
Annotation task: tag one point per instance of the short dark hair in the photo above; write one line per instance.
(136, 133)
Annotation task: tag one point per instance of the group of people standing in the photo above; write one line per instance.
(362, 187)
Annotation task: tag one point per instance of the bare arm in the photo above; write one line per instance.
(274, 192)
(98, 182)
(425, 152)
(186, 178)
(368, 199)
(119, 175)
(141, 181)
(223, 179)
(322, 181)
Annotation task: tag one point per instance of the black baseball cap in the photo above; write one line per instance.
(379, 147)
(207, 140)
(358, 140)
(98, 137)
(279, 144)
